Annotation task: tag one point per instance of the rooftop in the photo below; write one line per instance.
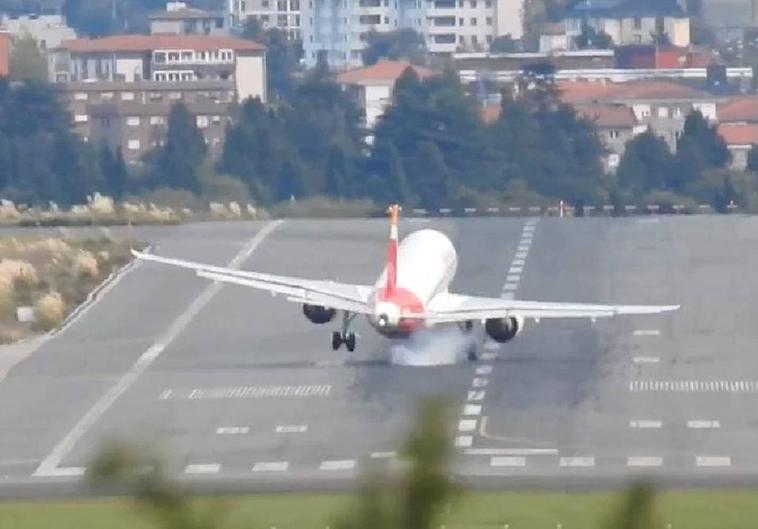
(607, 116)
(383, 72)
(147, 43)
(183, 14)
(744, 108)
(626, 8)
(739, 133)
(588, 92)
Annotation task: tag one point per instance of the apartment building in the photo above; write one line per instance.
(282, 14)
(336, 29)
(629, 21)
(179, 19)
(120, 89)
(48, 30)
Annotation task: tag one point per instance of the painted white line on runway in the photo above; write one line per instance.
(508, 461)
(510, 286)
(515, 269)
(65, 445)
(515, 278)
(166, 393)
(383, 455)
(232, 430)
(63, 472)
(647, 332)
(464, 441)
(476, 395)
(523, 248)
(479, 382)
(705, 386)
(203, 468)
(511, 451)
(646, 359)
(467, 425)
(252, 392)
(713, 461)
(518, 262)
(521, 255)
(291, 428)
(271, 466)
(507, 295)
(344, 464)
(472, 409)
(644, 461)
(643, 423)
(577, 461)
(701, 424)
(490, 356)
(483, 370)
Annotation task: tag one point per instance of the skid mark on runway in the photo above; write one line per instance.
(50, 465)
(248, 392)
(466, 425)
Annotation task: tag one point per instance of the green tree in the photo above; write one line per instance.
(752, 159)
(398, 183)
(114, 172)
(175, 165)
(504, 44)
(590, 38)
(707, 139)
(338, 172)
(636, 509)
(403, 43)
(646, 164)
(26, 61)
(282, 55)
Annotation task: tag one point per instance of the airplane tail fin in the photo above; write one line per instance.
(394, 213)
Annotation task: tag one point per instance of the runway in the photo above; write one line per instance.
(240, 388)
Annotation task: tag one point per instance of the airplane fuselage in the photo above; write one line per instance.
(426, 265)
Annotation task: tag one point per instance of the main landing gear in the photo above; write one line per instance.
(344, 337)
(472, 350)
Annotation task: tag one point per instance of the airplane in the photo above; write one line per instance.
(410, 294)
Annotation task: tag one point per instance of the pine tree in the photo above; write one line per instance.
(178, 161)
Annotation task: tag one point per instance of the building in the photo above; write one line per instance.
(372, 86)
(5, 53)
(282, 14)
(739, 138)
(629, 21)
(178, 19)
(336, 29)
(120, 89)
(48, 30)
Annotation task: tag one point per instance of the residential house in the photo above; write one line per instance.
(48, 30)
(179, 19)
(282, 14)
(118, 87)
(372, 86)
(629, 21)
(739, 138)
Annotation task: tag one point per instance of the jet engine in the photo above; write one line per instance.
(504, 329)
(318, 314)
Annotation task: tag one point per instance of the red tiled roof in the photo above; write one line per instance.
(743, 108)
(739, 133)
(143, 43)
(382, 72)
(607, 116)
(588, 92)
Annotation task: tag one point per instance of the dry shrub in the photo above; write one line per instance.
(86, 264)
(13, 270)
(49, 311)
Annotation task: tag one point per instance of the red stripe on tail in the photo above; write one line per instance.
(393, 211)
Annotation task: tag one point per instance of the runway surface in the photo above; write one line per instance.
(240, 387)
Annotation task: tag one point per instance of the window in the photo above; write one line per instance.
(386, 20)
(474, 40)
(174, 95)
(217, 119)
(461, 39)
(637, 23)
(370, 19)
(488, 20)
(80, 118)
(613, 133)
(133, 145)
(132, 121)
(106, 96)
(461, 22)
(281, 5)
(159, 57)
(173, 56)
(281, 20)
(488, 4)
(186, 56)
(127, 96)
(473, 4)
(489, 39)
(677, 112)
(473, 21)
(663, 112)
(294, 5)
(219, 23)
(201, 122)
(156, 120)
(81, 96)
(638, 39)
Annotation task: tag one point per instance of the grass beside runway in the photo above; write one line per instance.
(686, 509)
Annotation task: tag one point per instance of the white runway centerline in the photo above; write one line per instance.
(250, 392)
(271, 466)
(232, 430)
(291, 428)
(508, 461)
(713, 461)
(204, 468)
(682, 386)
(702, 424)
(644, 461)
(643, 423)
(50, 465)
(580, 461)
(647, 332)
(343, 464)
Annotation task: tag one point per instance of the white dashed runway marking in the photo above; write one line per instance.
(713, 461)
(383, 455)
(647, 332)
(271, 466)
(291, 428)
(644, 461)
(483, 370)
(643, 423)
(249, 392)
(232, 430)
(203, 468)
(586, 461)
(467, 425)
(646, 360)
(508, 461)
(703, 424)
(464, 441)
(679, 386)
(343, 464)
(472, 409)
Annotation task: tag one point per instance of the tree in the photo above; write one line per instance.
(752, 159)
(646, 164)
(176, 164)
(706, 138)
(590, 38)
(403, 43)
(26, 61)
(504, 44)
(338, 172)
(114, 171)
(636, 509)
(282, 55)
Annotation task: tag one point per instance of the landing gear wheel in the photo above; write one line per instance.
(336, 340)
(472, 353)
(349, 341)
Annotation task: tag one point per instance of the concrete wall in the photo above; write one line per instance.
(250, 76)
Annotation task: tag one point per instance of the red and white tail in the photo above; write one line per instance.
(394, 213)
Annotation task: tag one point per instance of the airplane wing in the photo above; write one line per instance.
(339, 296)
(448, 308)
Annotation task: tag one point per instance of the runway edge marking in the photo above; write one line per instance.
(49, 466)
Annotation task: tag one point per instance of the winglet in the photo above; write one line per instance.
(394, 213)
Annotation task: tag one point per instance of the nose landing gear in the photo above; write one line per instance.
(344, 337)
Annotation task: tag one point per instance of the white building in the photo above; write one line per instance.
(180, 19)
(48, 30)
(337, 29)
(282, 14)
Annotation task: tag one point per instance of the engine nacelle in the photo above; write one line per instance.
(318, 314)
(504, 329)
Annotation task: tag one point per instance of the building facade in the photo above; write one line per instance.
(178, 19)
(48, 30)
(629, 21)
(282, 14)
(120, 89)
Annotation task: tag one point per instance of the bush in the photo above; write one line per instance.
(324, 207)
(49, 311)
